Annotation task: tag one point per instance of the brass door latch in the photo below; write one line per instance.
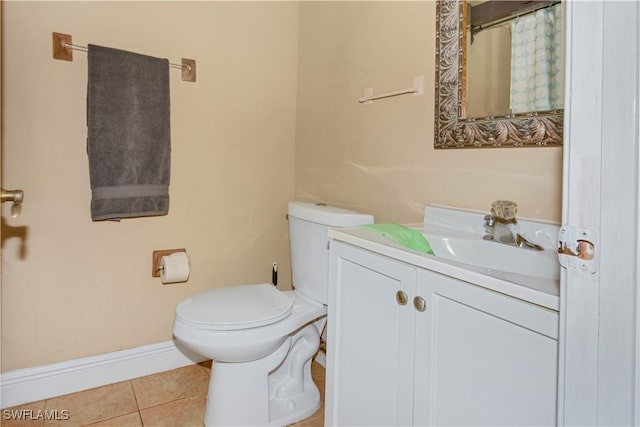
(576, 249)
(15, 196)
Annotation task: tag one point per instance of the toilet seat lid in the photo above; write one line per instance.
(236, 307)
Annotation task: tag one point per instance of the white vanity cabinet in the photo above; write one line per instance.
(409, 346)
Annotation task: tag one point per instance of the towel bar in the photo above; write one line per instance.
(416, 90)
(63, 48)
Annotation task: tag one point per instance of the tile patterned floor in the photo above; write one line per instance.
(174, 398)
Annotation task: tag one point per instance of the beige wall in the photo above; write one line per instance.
(379, 158)
(74, 288)
(489, 72)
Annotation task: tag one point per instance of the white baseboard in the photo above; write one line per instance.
(43, 382)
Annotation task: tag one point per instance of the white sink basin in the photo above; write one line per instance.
(472, 249)
(456, 237)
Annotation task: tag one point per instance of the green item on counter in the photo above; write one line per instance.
(402, 235)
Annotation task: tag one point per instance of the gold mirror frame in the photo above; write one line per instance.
(452, 129)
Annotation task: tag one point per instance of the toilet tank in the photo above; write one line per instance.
(309, 243)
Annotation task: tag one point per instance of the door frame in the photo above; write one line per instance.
(599, 378)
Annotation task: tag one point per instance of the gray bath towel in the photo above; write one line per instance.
(128, 141)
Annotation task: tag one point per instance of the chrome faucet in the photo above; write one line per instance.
(502, 226)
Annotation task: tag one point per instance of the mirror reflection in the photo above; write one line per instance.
(515, 54)
(455, 127)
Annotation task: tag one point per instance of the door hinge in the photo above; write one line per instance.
(576, 249)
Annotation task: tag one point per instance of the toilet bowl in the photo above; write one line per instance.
(242, 354)
(265, 329)
(262, 340)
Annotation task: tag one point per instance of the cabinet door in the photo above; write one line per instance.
(483, 358)
(369, 340)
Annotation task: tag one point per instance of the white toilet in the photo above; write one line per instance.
(261, 339)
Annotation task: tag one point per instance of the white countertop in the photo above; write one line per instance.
(536, 290)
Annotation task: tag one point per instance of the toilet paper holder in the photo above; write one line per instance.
(157, 256)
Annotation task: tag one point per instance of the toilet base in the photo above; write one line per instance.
(293, 396)
(275, 390)
(291, 410)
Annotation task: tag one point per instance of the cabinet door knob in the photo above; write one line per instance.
(420, 304)
(402, 298)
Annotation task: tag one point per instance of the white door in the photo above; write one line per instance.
(599, 362)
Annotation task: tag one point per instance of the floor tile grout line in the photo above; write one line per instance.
(135, 396)
(79, 393)
(185, 396)
(112, 418)
(172, 401)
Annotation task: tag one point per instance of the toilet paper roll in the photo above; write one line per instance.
(174, 268)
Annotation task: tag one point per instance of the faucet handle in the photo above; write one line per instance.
(504, 209)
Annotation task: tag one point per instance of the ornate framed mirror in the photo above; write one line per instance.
(453, 129)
